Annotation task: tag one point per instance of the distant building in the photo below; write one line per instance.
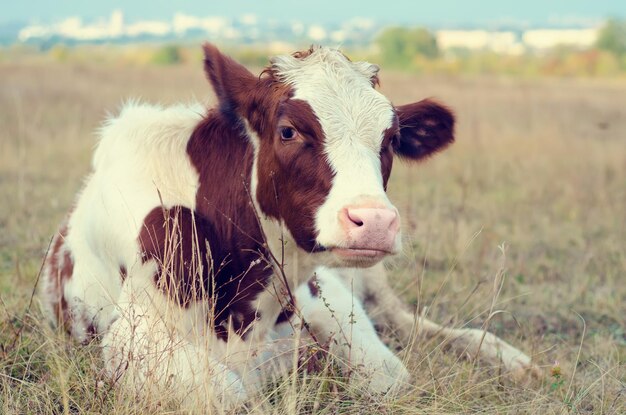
(542, 39)
(500, 42)
(213, 26)
(508, 42)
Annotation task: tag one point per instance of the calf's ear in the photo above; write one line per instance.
(231, 81)
(426, 127)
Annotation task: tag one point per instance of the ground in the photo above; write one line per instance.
(534, 189)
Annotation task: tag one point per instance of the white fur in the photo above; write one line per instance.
(339, 320)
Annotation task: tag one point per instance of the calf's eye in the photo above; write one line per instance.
(287, 133)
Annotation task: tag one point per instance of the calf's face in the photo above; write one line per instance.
(324, 140)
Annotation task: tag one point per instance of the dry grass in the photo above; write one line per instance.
(539, 166)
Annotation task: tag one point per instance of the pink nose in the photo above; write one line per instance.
(370, 228)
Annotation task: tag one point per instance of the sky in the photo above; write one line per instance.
(431, 12)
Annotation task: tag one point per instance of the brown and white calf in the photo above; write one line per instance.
(171, 253)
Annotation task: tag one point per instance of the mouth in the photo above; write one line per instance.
(359, 253)
(360, 257)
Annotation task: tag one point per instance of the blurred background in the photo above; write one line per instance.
(534, 188)
(530, 38)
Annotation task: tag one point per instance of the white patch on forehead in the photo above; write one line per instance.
(341, 95)
(353, 116)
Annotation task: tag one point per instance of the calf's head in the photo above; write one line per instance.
(324, 140)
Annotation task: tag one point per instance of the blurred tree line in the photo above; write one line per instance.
(612, 37)
(399, 45)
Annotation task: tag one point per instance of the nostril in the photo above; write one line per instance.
(354, 217)
(371, 219)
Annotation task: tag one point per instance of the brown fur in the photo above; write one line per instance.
(426, 127)
(196, 263)
(294, 174)
(59, 268)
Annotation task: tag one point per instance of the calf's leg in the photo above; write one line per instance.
(387, 310)
(338, 321)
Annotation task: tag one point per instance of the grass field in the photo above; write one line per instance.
(537, 179)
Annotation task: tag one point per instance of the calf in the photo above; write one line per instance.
(174, 252)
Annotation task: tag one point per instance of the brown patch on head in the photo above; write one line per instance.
(294, 177)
